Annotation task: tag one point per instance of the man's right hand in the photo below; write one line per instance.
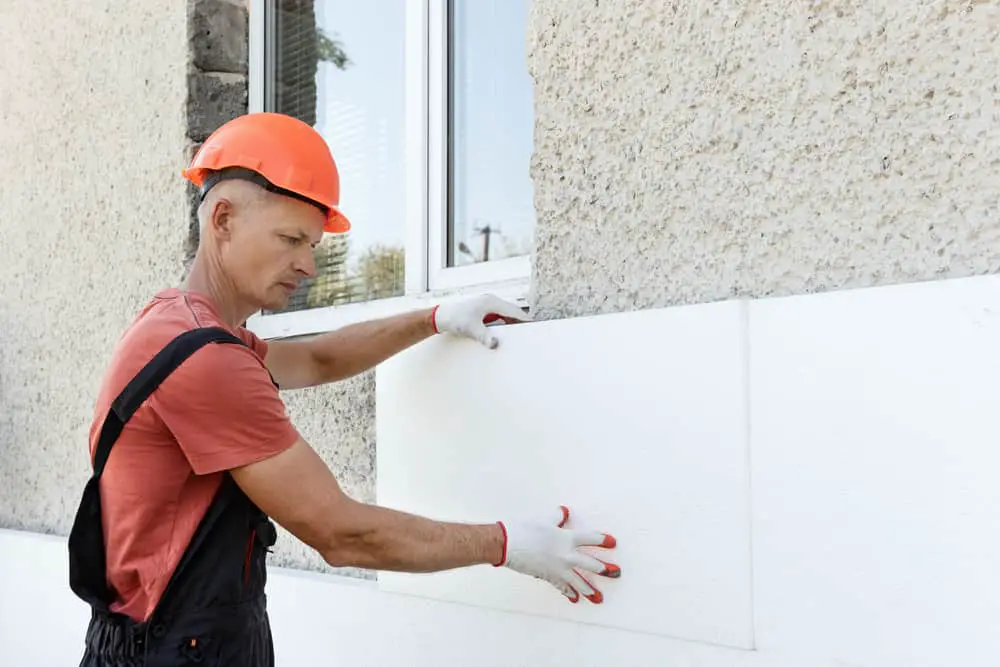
(550, 552)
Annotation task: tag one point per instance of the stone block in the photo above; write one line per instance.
(213, 99)
(219, 34)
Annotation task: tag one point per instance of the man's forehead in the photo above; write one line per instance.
(303, 235)
(302, 223)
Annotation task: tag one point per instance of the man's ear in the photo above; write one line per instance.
(221, 218)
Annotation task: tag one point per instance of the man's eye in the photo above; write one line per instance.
(292, 239)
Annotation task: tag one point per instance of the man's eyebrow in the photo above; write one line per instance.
(304, 236)
(297, 234)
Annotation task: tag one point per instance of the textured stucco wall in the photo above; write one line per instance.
(688, 152)
(92, 222)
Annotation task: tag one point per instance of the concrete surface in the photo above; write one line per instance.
(688, 153)
(92, 133)
(218, 33)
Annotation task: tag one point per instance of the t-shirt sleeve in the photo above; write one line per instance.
(223, 409)
(253, 341)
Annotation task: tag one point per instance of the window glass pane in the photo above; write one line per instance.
(338, 65)
(492, 213)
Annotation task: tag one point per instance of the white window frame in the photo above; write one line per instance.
(427, 280)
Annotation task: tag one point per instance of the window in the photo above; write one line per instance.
(427, 107)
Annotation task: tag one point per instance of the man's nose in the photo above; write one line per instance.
(306, 263)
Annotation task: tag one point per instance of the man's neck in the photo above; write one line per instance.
(213, 284)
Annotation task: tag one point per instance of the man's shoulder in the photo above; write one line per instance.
(171, 313)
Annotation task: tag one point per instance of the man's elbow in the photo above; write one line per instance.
(343, 549)
(339, 555)
(350, 542)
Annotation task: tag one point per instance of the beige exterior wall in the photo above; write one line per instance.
(687, 154)
(681, 156)
(93, 220)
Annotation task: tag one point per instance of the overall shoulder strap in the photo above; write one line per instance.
(148, 379)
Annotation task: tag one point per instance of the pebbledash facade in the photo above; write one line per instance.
(577, 157)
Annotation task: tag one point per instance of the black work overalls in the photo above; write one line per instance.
(213, 611)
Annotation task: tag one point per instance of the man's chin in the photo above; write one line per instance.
(278, 301)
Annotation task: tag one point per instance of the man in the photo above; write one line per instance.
(172, 532)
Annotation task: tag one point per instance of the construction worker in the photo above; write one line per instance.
(170, 538)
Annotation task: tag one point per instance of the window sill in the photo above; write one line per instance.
(321, 320)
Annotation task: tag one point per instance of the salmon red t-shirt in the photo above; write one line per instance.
(219, 410)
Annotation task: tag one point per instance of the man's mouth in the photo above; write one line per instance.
(291, 287)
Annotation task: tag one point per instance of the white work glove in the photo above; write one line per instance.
(550, 552)
(469, 317)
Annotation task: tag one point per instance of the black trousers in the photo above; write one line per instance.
(208, 639)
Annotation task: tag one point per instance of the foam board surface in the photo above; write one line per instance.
(319, 619)
(876, 450)
(635, 421)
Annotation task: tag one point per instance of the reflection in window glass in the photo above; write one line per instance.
(339, 66)
(492, 213)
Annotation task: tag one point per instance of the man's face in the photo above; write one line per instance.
(266, 249)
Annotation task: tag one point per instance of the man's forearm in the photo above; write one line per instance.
(358, 347)
(299, 491)
(383, 539)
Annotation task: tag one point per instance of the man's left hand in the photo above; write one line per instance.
(469, 317)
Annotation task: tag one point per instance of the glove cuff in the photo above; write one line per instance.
(503, 558)
(434, 323)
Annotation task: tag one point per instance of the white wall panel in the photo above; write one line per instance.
(637, 422)
(328, 620)
(876, 473)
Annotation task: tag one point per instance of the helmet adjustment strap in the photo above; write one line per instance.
(241, 173)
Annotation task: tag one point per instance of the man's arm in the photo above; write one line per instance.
(297, 490)
(345, 352)
(356, 348)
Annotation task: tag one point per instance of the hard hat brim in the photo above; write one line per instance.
(337, 223)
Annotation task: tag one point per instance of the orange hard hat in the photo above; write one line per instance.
(278, 152)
